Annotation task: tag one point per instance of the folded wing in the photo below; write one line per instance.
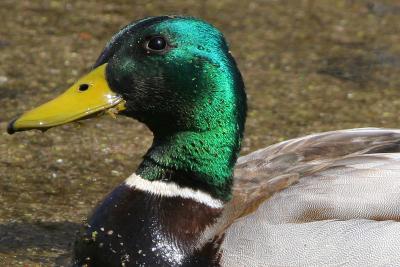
(330, 198)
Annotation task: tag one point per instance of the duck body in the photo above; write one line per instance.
(325, 199)
(332, 199)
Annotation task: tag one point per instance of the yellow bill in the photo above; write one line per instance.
(88, 96)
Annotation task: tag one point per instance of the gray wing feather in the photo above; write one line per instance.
(341, 211)
(320, 243)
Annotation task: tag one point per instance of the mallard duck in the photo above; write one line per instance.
(324, 199)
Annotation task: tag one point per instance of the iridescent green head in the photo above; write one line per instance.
(176, 75)
(171, 71)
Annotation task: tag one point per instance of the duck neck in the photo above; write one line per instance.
(202, 153)
(201, 161)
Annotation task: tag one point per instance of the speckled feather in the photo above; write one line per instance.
(284, 163)
(339, 186)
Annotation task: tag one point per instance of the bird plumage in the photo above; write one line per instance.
(342, 207)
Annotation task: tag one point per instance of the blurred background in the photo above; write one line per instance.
(309, 66)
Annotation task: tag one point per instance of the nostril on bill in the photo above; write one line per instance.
(83, 87)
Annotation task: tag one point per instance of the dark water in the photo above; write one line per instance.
(309, 66)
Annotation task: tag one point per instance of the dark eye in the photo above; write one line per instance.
(157, 43)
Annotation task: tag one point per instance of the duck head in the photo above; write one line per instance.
(176, 75)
